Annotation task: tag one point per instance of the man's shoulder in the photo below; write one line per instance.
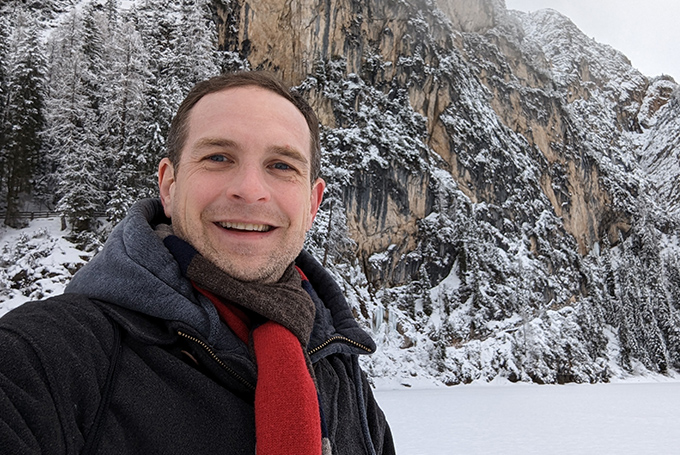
(60, 306)
(65, 319)
(55, 357)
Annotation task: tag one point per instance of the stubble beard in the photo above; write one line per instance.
(240, 265)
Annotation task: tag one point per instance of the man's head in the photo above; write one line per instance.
(180, 124)
(241, 180)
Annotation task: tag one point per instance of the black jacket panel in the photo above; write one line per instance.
(171, 396)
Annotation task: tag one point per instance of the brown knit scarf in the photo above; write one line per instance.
(285, 301)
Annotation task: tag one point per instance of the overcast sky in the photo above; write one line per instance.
(646, 31)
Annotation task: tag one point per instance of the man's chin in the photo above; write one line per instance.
(253, 271)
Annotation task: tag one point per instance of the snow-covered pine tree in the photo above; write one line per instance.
(24, 113)
(667, 312)
(127, 116)
(156, 22)
(196, 57)
(96, 37)
(73, 140)
(4, 54)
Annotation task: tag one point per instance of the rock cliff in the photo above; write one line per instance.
(396, 46)
(479, 161)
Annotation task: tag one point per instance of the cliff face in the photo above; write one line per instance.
(463, 140)
(395, 45)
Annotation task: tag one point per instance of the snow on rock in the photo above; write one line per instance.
(502, 199)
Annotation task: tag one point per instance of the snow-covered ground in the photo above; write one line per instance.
(36, 262)
(624, 418)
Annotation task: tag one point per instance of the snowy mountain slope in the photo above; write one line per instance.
(501, 189)
(660, 149)
(512, 227)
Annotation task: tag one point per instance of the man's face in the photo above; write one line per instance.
(242, 194)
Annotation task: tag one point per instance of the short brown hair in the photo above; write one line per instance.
(179, 128)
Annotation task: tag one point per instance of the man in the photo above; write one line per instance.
(201, 327)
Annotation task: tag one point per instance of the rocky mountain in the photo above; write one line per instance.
(482, 163)
(502, 190)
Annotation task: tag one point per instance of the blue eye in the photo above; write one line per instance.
(217, 158)
(282, 167)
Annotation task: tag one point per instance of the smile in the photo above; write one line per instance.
(246, 227)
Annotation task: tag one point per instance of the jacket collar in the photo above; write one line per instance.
(141, 276)
(335, 329)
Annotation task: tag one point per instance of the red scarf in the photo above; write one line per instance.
(287, 414)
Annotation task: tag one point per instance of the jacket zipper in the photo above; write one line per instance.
(219, 361)
(339, 338)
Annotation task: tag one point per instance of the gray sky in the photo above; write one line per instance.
(646, 31)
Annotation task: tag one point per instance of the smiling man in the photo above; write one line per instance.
(245, 196)
(202, 326)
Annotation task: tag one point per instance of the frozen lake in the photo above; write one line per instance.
(619, 418)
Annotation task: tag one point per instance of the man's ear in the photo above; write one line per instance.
(166, 184)
(317, 196)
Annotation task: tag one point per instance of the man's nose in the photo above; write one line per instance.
(248, 184)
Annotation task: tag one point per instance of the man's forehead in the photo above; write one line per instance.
(244, 98)
(231, 94)
(219, 113)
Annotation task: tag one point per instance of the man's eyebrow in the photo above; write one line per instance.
(213, 142)
(290, 153)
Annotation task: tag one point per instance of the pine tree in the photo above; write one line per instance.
(667, 312)
(156, 23)
(196, 47)
(127, 116)
(24, 114)
(4, 56)
(71, 116)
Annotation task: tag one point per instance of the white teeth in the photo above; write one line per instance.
(246, 227)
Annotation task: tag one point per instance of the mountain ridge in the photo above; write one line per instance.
(501, 189)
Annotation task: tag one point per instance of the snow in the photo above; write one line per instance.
(619, 418)
(41, 252)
